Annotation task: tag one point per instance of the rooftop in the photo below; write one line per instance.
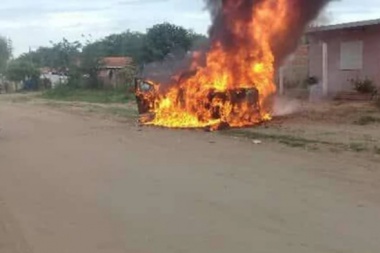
(357, 24)
(116, 62)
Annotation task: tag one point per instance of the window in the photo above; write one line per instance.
(351, 55)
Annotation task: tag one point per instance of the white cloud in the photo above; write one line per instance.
(31, 24)
(75, 20)
(354, 10)
(34, 23)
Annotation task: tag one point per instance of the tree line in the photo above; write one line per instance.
(78, 59)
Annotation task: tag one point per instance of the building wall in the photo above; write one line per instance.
(112, 78)
(338, 80)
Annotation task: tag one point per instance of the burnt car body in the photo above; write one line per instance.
(147, 92)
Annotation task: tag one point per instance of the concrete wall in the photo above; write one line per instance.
(338, 80)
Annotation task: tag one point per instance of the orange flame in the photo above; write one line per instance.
(248, 66)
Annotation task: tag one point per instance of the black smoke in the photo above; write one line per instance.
(225, 11)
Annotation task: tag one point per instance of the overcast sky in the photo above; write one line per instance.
(32, 23)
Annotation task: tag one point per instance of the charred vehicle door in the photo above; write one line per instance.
(145, 95)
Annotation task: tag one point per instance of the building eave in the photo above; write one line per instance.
(358, 24)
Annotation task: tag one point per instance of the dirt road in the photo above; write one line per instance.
(71, 183)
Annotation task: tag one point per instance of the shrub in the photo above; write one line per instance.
(365, 86)
(377, 102)
(367, 120)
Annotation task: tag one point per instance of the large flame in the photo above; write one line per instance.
(248, 65)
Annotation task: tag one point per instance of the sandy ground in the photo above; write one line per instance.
(75, 183)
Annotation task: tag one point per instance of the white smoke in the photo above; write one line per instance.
(285, 106)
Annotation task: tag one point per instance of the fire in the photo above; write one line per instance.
(236, 83)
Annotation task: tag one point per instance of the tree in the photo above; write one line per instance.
(198, 40)
(20, 70)
(66, 54)
(82, 62)
(142, 48)
(60, 56)
(163, 39)
(125, 44)
(5, 53)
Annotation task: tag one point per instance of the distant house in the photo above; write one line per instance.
(55, 77)
(340, 53)
(111, 70)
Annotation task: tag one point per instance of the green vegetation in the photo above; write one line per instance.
(358, 147)
(300, 142)
(19, 70)
(163, 39)
(367, 120)
(365, 86)
(154, 45)
(81, 61)
(289, 140)
(5, 53)
(121, 112)
(60, 56)
(66, 93)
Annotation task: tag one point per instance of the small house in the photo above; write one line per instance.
(339, 54)
(54, 77)
(111, 70)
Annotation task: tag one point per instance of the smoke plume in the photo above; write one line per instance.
(224, 12)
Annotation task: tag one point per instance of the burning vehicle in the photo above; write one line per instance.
(147, 97)
(232, 82)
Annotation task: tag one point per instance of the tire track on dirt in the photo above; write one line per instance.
(12, 239)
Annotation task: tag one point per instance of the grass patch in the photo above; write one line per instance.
(294, 143)
(289, 140)
(121, 112)
(358, 147)
(54, 104)
(377, 102)
(367, 120)
(65, 93)
(18, 98)
(300, 142)
(21, 99)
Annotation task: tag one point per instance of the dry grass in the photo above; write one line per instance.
(329, 126)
